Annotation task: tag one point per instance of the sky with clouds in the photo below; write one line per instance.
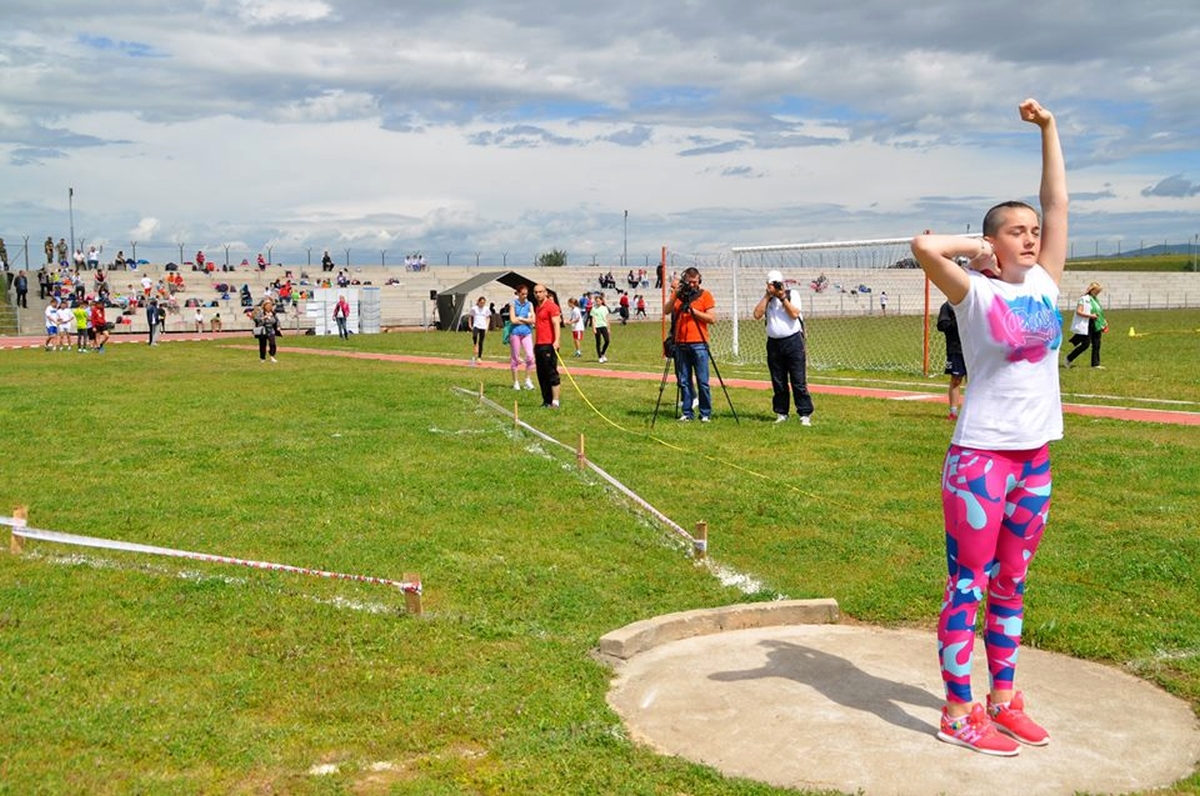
(512, 127)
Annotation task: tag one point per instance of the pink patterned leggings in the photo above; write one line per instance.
(995, 505)
(521, 350)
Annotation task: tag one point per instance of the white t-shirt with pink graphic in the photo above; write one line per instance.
(1011, 335)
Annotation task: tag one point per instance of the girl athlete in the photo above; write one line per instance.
(996, 477)
(520, 339)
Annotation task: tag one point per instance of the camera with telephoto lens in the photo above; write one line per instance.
(687, 293)
(778, 286)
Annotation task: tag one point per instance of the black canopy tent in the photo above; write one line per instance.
(452, 302)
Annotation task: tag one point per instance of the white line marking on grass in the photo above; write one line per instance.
(353, 605)
(462, 432)
(738, 580)
(727, 576)
(1164, 656)
(78, 560)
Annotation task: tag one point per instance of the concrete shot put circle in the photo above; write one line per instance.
(781, 693)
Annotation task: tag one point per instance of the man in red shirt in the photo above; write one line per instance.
(99, 326)
(547, 329)
(692, 309)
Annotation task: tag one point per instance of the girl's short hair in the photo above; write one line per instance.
(991, 221)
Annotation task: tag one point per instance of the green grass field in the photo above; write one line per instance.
(128, 674)
(1154, 262)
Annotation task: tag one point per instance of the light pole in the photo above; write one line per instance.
(71, 214)
(625, 243)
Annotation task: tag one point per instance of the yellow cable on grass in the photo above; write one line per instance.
(672, 446)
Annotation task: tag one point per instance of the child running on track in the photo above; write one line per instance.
(996, 478)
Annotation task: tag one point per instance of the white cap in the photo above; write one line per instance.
(774, 276)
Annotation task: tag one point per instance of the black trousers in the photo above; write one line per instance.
(1083, 342)
(602, 340)
(266, 342)
(787, 361)
(545, 358)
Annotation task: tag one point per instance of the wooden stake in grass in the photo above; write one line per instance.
(700, 540)
(516, 420)
(481, 392)
(580, 456)
(412, 599)
(16, 543)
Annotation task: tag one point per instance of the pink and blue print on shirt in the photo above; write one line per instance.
(1029, 327)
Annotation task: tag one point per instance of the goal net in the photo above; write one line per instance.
(866, 304)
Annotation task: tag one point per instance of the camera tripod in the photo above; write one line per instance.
(671, 359)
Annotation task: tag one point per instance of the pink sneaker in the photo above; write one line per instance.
(1011, 719)
(977, 732)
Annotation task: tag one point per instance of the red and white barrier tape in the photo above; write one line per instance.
(19, 528)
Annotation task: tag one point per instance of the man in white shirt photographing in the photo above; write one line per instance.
(787, 358)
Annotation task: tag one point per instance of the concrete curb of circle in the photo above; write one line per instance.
(623, 643)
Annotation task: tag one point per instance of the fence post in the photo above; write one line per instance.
(412, 599)
(580, 456)
(700, 540)
(16, 544)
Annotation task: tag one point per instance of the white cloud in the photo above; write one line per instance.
(272, 12)
(521, 125)
(145, 229)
